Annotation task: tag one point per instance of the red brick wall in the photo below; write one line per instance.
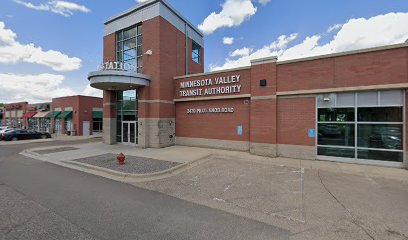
(364, 69)
(295, 117)
(109, 48)
(11, 107)
(213, 125)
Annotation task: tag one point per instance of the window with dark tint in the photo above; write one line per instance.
(336, 115)
(336, 134)
(380, 114)
(336, 152)
(196, 51)
(380, 136)
(380, 155)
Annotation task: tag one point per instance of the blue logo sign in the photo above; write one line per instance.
(239, 130)
(312, 133)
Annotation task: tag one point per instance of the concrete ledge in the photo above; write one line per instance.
(296, 151)
(213, 143)
(263, 149)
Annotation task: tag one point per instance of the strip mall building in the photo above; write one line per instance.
(347, 106)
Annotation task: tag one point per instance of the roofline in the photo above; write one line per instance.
(149, 3)
(214, 72)
(346, 53)
(73, 96)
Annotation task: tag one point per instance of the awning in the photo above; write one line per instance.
(97, 114)
(55, 114)
(65, 115)
(29, 114)
(42, 115)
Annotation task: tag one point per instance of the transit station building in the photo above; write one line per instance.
(348, 106)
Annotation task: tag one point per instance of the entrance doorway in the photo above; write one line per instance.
(129, 133)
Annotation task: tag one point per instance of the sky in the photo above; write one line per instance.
(48, 47)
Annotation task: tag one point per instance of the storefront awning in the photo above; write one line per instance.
(97, 114)
(29, 114)
(65, 115)
(42, 115)
(55, 114)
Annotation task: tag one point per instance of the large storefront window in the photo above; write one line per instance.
(129, 46)
(365, 125)
(127, 117)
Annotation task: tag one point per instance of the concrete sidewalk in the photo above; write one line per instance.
(185, 155)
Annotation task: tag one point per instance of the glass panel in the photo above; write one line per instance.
(119, 126)
(345, 99)
(380, 136)
(119, 56)
(129, 106)
(125, 132)
(336, 134)
(380, 155)
(393, 97)
(129, 54)
(129, 44)
(139, 40)
(336, 152)
(129, 33)
(132, 62)
(119, 36)
(129, 95)
(139, 29)
(119, 46)
(139, 70)
(139, 61)
(132, 133)
(129, 116)
(367, 98)
(336, 114)
(380, 114)
(139, 51)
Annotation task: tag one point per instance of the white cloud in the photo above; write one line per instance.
(63, 8)
(355, 34)
(233, 13)
(264, 2)
(241, 52)
(11, 52)
(142, 1)
(334, 28)
(228, 40)
(32, 88)
(90, 91)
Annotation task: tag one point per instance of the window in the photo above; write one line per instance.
(196, 52)
(129, 47)
(363, 125)
(97, 125)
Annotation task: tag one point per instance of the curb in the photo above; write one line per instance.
(116, 175)
(4, 143)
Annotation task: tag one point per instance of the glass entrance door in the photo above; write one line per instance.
(129, 133)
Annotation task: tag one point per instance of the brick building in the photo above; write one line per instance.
(77, 115)
(347, 106)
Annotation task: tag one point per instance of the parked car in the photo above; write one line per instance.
(2, 128)
(19, 134)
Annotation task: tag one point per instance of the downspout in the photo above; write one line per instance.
(186, 33)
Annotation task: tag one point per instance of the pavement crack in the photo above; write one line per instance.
(354, 220)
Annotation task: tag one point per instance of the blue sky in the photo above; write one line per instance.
(286, 28)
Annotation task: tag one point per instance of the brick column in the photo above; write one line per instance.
(263, 107)
(109, 117)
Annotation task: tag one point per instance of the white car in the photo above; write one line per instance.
(3, 129)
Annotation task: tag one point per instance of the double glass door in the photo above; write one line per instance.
(129, 133)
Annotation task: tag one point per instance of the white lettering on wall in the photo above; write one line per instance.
(210, 110)
(209, 86)
(117, 66)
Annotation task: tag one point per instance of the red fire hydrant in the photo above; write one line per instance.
(121, 158)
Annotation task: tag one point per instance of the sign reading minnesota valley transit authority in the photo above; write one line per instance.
(210, 110)
(209, 86)
(117, 66)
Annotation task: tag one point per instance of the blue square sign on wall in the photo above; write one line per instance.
(239, 130)
(312, 133)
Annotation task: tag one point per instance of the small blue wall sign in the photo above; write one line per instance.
(312, 133)
(239, 130)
